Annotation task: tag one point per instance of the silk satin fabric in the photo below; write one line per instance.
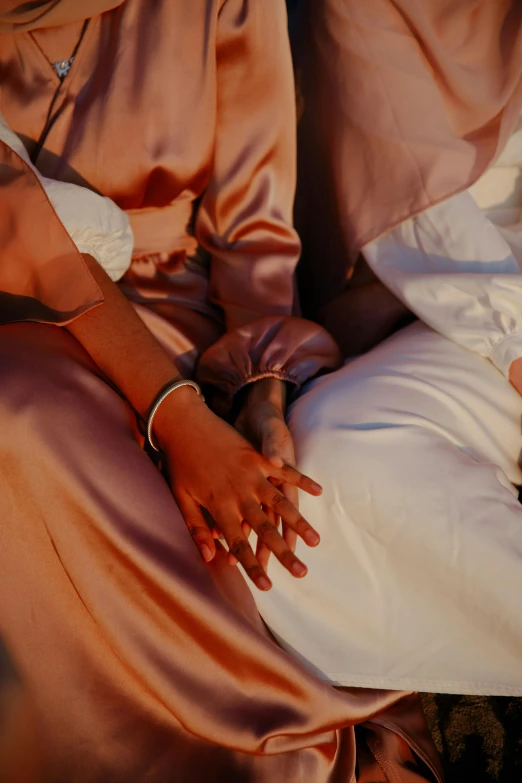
(182, 142)
(406, 103)
(143, 664)
(17, 17)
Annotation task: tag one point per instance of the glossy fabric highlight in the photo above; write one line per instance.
(405, 104)
(144, 663)
(150, 115)
(164, 668)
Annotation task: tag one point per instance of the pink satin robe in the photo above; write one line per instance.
(406, 103)
(143, 663)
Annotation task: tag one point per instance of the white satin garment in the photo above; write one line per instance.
(96, 225)
(457, 266)
(417, 582)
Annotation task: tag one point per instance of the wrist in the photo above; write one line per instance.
(176, 410)
(272, 390)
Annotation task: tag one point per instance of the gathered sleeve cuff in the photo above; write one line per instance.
(245, 217)
(45, 226)
(506, 352)
(290, 349)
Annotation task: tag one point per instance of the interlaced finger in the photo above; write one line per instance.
(290, 536)
(197, 526)
(269, 535)
(241, 550)
(280, 505)
(263, 552)
(232, 559)
(290, 475)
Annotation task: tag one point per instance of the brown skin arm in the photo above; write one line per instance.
(208, 463)
(123, 348)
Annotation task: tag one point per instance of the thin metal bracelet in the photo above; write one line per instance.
(163, 396)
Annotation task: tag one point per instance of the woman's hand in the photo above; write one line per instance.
(262, 422)
(211, 466)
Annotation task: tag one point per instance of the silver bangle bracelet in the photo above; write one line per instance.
(163, 396)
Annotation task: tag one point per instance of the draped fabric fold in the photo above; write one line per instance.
(406, 104)
(19, 17)
(164, 669)
(42, 275)
(144, 663)
(225, 186)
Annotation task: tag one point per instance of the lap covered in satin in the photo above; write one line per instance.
(144, 664)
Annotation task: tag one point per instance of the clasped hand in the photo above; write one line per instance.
(210, 465)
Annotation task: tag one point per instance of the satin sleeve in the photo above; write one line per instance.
(245, 217)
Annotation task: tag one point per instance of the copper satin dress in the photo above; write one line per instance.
(141, 663)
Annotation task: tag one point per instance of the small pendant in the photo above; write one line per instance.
(62, 67)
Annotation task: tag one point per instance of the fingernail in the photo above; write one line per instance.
(311, 537)
(264, 583)
(206, 552)
(316, 487)
(299, 569)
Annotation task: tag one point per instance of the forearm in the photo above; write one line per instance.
(362, 317)
(207, 464)
(122, 346)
